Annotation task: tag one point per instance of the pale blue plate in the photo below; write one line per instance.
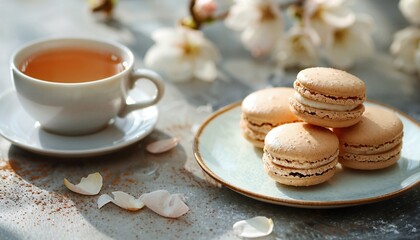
(227, 157)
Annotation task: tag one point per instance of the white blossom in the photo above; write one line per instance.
(405, 47)
(182, 54)
(260, 23)
(325, 16)
(351, 43)
(297, 49)
(411, 10)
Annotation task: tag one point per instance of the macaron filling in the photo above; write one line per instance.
(379, 157)
(312, 94)
(372, 149)
(321, 105)
(301, 164)
(298, 173)
(326, 114)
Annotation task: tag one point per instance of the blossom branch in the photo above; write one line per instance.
(322, 28)
(195, 18)
(198, 21)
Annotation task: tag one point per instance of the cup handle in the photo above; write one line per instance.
(144, 74)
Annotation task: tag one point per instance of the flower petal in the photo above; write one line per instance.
(403, 48)
(210, 51)
(411, 10)
(103, 200)
(170, 62)
(122, 200)
(296, 50)
(90, 185)
(339, 17)
(350, 44)
(253, 227)
(261, 39)
(241, 15)
(127, 201)
(205, 70)
(165, 204)
(162, 145)
(167, 36)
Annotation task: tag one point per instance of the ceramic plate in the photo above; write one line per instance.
(226, 156)
(23, 131)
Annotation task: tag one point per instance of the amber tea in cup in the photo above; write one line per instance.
(72, 65)
(77, 86)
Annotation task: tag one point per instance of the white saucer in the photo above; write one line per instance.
(23, 131)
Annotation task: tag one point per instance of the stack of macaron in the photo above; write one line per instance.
(335, 127)
(328, 97)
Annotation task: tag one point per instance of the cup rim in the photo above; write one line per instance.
(123, 48)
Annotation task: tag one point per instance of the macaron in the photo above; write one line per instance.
(300, 154)
(328, 97)
(373, 143)
(263, 110)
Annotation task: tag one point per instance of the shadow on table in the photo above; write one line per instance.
(132, 170)
(6, 234)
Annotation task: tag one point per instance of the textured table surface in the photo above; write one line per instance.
(34, 203)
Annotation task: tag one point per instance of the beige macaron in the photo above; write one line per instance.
(373, 143)
(263, 110)
(328, 97)
(300, 154)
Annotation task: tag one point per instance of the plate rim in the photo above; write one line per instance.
(288, 202)
(76, 153)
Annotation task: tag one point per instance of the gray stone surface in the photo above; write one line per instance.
(34, 204)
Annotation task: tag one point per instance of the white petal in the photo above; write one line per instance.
(210, 51)
(403, 48)
(354, 43)
(90, 185)
(170, 62)
(168, 36)
(194, 37)
(165, 204)
(332, 3)
(127, 201)
(296, 50)
(253, 227)
(338, 17)
(261, 39)
(205, 70)
(122, 200)
(411, 10)
(103, 200)
(242, 15)
(324, 32)
(162, 145)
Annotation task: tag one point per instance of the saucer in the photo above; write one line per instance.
(23, 131)
(226, 156)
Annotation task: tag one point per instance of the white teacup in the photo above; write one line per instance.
(83, 107)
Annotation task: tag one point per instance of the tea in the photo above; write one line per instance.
(72, 65)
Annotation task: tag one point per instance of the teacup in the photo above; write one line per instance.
(68, 101)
